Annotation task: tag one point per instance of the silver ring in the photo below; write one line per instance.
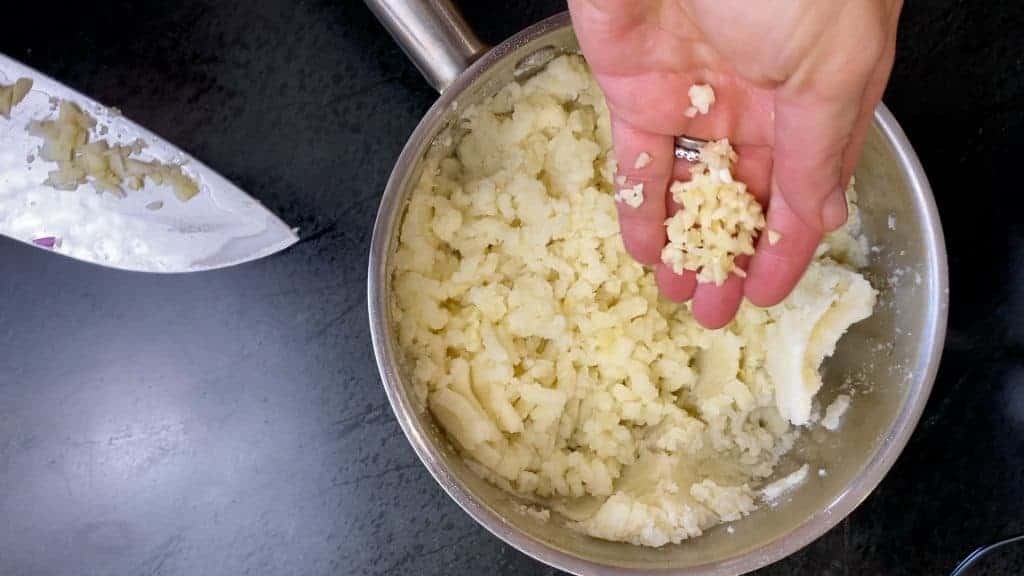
(688, 148)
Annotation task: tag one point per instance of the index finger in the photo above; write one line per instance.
(645, 159)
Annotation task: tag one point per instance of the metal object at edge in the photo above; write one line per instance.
(910, 322)
(149, 230)
(433, 35)
(688, 148)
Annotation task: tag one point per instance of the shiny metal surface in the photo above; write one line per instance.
(688, 148)
(890, 359)
(434, 36)
(221, 226)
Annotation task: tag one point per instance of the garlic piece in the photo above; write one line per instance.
(11, 96)
(702, 96)
(632, 197)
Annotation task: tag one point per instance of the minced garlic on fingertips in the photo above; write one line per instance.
(632, 196)
(718, 221)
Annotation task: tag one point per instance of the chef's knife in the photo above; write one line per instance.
(148, 229)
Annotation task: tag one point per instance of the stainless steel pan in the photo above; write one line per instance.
(891, 359)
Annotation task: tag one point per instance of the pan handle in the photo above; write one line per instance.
(433, 35)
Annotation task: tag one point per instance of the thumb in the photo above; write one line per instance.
(811, 137)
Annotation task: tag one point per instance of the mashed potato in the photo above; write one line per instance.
(546, 355)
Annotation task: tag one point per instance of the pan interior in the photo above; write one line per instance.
(882, 360)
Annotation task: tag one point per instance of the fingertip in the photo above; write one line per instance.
(716, 306)
(675, 287)
(765, 297)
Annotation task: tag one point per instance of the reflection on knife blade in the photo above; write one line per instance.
(97, 190)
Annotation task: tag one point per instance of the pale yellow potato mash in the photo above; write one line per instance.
(547, 356)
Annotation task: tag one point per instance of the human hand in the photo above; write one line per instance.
(796, 84)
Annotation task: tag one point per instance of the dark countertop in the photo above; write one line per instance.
(232, 422)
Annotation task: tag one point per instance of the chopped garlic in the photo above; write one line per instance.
(620, 180)
(691, 112)
(110, 168)
(718, 221)
(632, 197)
(774, 237)
(643, 160)
(11, 96)
(702, 96)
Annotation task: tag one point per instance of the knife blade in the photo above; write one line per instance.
(148, 229)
